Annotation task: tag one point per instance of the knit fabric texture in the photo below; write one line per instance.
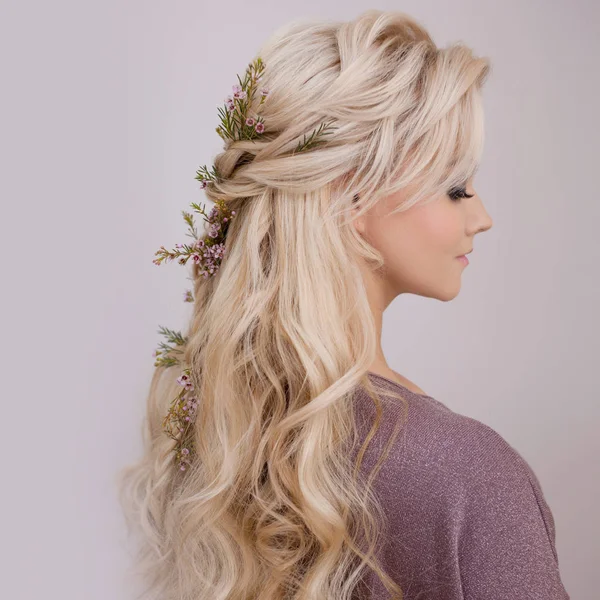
(466, 515)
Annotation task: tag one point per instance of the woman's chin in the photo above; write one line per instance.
(450, 292)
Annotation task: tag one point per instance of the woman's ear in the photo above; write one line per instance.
(358, 222)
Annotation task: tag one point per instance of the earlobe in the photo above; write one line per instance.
(358, 223)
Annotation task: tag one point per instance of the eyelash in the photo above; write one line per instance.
(457, 193)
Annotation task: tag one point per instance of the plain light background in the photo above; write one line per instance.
(108, 110)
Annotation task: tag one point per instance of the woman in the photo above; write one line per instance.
(284, 459)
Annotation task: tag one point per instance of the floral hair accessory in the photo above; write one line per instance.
(179, 420)
(208, 251)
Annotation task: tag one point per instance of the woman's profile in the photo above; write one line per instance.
(283, 458)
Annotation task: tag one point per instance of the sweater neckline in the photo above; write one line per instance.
(370, 373)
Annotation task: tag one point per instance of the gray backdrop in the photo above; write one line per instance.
(108, 110)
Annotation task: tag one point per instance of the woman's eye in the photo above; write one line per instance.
(459, 192)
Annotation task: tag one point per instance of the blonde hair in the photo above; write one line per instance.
(274, 505)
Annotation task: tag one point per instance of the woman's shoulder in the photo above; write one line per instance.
(460, 447)
(446, 449)
(436, 431)
(478, 504)
(479, 507)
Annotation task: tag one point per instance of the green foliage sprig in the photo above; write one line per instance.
(238, 124)
(315, 137)
(165, 351)
(205, 252)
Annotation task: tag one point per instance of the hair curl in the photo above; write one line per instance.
(275, 505)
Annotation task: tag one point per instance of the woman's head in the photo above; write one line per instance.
(272, 504)
(408, 129)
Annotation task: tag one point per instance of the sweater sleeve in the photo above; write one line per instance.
(506, 533)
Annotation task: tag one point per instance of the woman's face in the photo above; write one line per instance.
(420, 246)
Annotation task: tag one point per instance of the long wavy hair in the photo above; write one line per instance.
(275, 505)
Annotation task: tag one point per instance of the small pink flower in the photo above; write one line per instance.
(185, 381)
(250, 121)
(259, 127)
(238, 92)
(203, 184)
(264, 92)
(185, 451)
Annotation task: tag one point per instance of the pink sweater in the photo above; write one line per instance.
(467, 518)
